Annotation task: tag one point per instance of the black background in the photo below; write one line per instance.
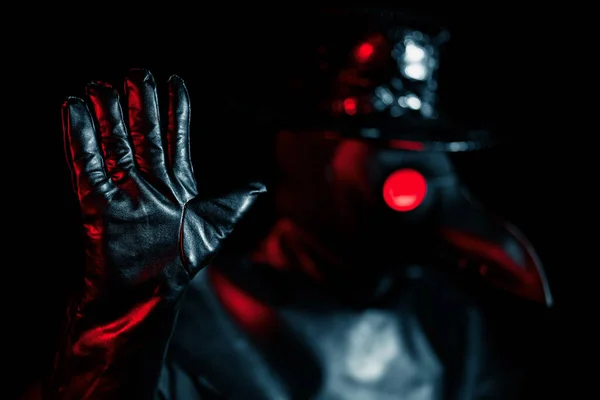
(504, 68)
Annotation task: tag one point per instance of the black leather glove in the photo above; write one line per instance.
(147, 233)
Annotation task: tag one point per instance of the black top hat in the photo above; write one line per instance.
(373, 73)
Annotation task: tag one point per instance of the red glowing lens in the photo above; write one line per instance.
(364, 52)
(404, 190)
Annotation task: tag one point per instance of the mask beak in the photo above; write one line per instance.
(503, 255)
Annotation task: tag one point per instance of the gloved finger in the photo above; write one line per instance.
(144, 124)
(207, 223)
(118, 154)
(178, 135)
(85, 155)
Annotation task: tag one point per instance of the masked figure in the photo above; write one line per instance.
(381, 278)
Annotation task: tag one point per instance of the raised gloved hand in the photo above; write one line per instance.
(147, 233)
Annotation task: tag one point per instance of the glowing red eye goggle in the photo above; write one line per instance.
(404, 190)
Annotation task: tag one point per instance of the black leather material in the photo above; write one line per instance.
(257, 331)
(294, 321)
(147, 233)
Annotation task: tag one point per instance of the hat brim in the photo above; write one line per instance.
(432, 135)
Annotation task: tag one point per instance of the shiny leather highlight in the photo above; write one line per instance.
(147, 233)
